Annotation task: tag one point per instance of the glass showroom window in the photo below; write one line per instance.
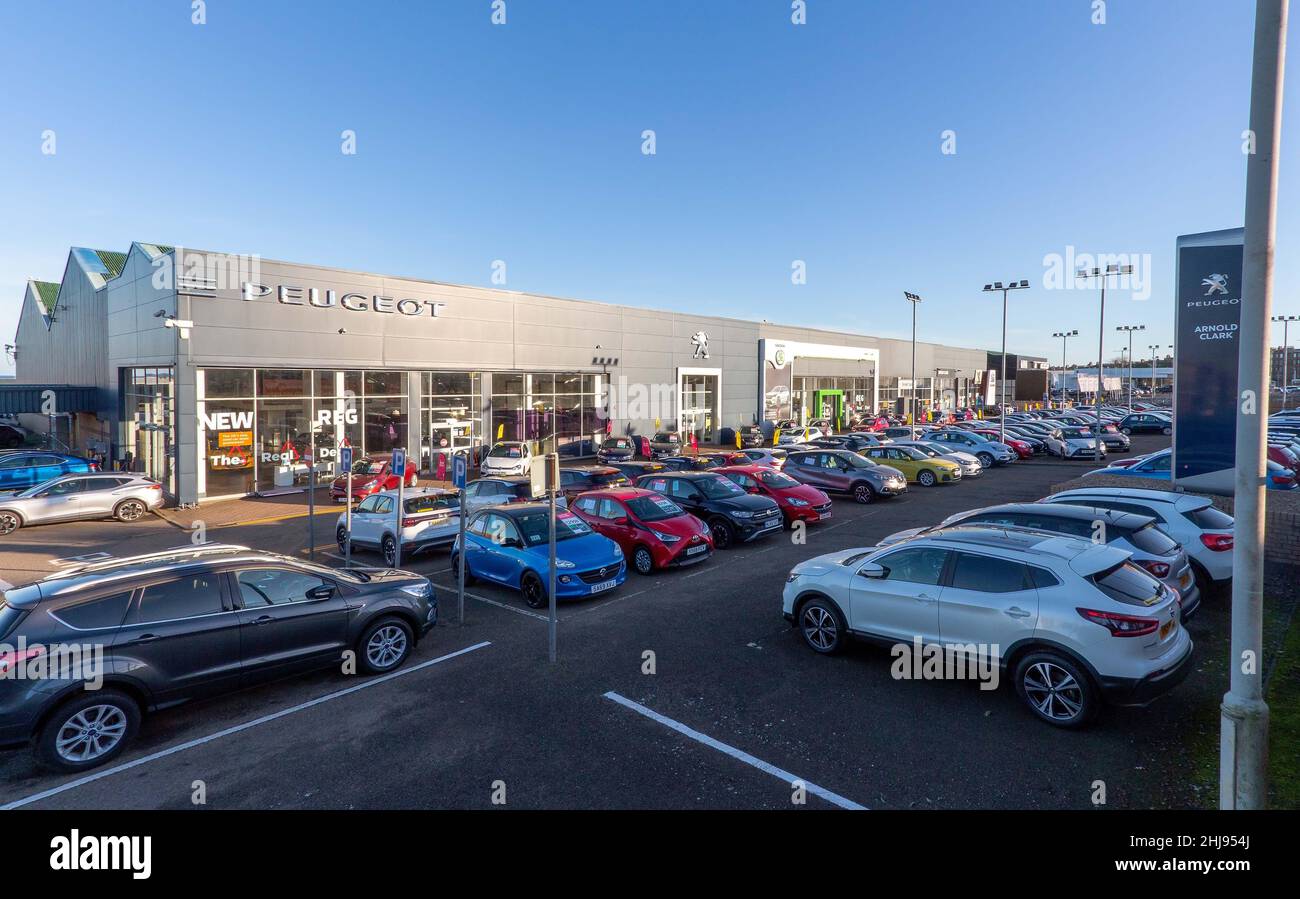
(147, 420)
(553, 410)
(383, 410)
(450, 404)
(509, 421)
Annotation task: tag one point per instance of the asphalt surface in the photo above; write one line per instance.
(736, 708)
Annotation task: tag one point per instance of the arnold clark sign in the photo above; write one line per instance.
(314, 297)
(1207, 319)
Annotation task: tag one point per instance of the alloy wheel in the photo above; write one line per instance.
(534, 593)
(131, 510)
(8, 522)
(390, 552)
(819, 627)
(863, 493)
(926, 478)
(90, 733)
(386, 646)
(721, 535)
(1053, 691)
(643, 560)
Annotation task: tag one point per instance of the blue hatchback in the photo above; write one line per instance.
(26, 468)
(1158, 467)
(508, 545)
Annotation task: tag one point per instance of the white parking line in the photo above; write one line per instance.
(154, 756)
(738, 754)
(493, 602)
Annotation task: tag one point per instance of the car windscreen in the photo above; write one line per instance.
(618, 443)
(366, 466)
(504, 451)
(778, 480)
(857, 461)
(536, 527)
(1128, 584)
(1150, 539)
(653, 508)
(1075, 433)
(1208, 518)
(719, 488)
(931, 450)
(607, 478)
(432, 503)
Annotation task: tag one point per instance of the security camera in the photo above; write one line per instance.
(343, 330)
(178, 323)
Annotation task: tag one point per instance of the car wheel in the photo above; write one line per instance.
(986, 459)
(455, 570)
(1166, 431)
(87, 731)
(10, 522)
(642, 560)
(1056, 689)
(534, 593)
(863, 493)
(341, 535)
(389, 546)
(385, 645)
(129, 510)
(1126, 431)
(822, 626)
(723, 537)
(926, 478)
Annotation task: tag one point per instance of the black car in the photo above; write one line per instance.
(733, 515)
(618, 449)
(1145, 423)
(634, 470)
(665, 443)
(183, 624)
(752, 436)
(691, 463)
(582, 478)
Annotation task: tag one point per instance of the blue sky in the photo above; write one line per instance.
(774, 143)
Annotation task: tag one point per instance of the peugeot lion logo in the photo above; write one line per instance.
(1215, 284)
(700, 341)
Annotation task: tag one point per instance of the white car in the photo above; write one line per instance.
(1073, 443)
(970, 466)
(430, 517)
(508, 457)
(1076, 625)
(798, 435)
(1202, 530)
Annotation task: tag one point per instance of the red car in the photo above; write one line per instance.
(371, 474)
(1023, 450)
(798, 502)
(1284, 457)
(652, 530)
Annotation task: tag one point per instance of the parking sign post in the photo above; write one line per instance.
(399, 466)
(552, 462)
(345, 459)
(311, 499)
(458, 480)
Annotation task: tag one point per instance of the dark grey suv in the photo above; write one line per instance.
(87, 651)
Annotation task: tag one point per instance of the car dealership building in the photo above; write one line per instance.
(214, 371)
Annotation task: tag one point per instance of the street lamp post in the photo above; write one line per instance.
(1085, 274)
(1002, 382)
(1130, 329)
(1286, 353)
(1063, 335)
(1154, 348)
(911, 412)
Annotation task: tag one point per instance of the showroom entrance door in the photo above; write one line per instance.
(699, 395)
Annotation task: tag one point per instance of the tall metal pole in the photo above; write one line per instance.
(1130, 329)
(1002, 386)
(1286, 356)
(552, 463)
(1103, 276)
(1064, 335)
(1243, 733)
(915, 301)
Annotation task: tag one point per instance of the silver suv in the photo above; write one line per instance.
(123, 496)
(1076, 625)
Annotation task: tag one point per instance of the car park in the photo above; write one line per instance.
(702, 462)
(1146, 423)
(733, 516)
(918, 467)
(653, 531)
(430, 518)
(186, 624)
(119, 495)
(582, 478)
(1204, 532)
(1077, 625)
(845, 472)
(21, 469)
(510, 546)
(798, 502)
(371, 474)
(1139, 535)
(508, 457)
(617, 449)
(485, 492)
(989, 452)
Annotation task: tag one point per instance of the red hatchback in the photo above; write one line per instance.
(798, 502)
(652, 530)
(371, 474)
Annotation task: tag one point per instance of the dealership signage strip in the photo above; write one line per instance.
(329, 299)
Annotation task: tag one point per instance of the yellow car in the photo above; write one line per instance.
(915, 465)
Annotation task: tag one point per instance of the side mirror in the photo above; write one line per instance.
(324, 591)
(754, 490)
(621, 520)
(873, 570)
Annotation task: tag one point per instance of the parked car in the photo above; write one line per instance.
(857, 442)
(665, 443)
(989, 452)
(634, 470)
(430, 518)
(652, 530)
(486, 492)
(1204, 532)
(691, 463)
(582, 478)
(1022, 449)
(798, 502)
(126, 497)
(842, 471)
(751, 436)
(371, 474)
(617, 449)
(1077, 625)
(508, 457)
(1074, 443)
(918, 467)
(970, 466)
(773, 457)
(510, 546)
(185, 624)
(1139, 535)
(21, 469)
(1146, 423)
(733, 516)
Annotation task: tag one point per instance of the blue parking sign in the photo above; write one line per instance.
(399, 462)
(345, 457)
(459, 471)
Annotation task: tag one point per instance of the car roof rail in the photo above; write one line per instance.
(188, 551)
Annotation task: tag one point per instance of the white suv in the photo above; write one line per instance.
(430, 518)
(1075, 624)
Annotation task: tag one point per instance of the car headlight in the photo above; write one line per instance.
(618, 551)
(666, 538)
(740, 514)
(794, 501)
(564, 563)
(419, 591)
(791, 577)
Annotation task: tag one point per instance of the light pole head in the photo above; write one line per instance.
(911, 297)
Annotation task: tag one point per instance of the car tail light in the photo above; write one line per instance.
(1121, 625)
(1283, 480)
(1159, 569)
(1217, 542)
(10, 659)
(157, 487)
(409, 522)
(94, 466)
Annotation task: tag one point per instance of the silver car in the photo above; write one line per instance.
(126, 497)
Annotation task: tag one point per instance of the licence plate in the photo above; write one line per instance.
(771, 522)
(695, 550)
(824, 515)
(1184, 581)
(1167, 627)
(601, 588)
